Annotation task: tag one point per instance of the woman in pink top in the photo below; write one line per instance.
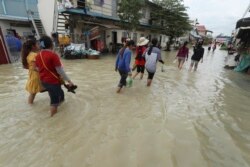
(182, 55)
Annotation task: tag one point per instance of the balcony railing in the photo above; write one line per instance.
(104, 9)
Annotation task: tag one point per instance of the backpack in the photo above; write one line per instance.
(139, 54)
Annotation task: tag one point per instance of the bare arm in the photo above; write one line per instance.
(62, 73)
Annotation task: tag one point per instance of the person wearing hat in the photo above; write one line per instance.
(139, 59)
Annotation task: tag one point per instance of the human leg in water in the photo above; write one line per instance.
(122, 82)
(196, 66)
(191, 65)
(31, 98)
(150, 78)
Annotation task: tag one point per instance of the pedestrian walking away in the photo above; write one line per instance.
(51, 71)
(209, 46)
(197, 56)
(123, 63)
(152, 56)
(182, 55)
(214, 47)
(29, 53)
(139, 59)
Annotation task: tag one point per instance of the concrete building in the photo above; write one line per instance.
(19, 19)
(99, 26)
(14, 17)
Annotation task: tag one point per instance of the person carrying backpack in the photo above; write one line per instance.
(139, 59)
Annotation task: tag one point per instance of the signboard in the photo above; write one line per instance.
(94, 33)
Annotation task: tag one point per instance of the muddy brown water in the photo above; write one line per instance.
(185, 119)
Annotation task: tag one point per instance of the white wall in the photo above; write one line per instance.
(5, 24)
(46, 12)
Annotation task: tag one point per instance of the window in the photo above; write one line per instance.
(1, 7)
(32, 2)
(12, 6)
(143, 12)
(124, 34)
(99, 2)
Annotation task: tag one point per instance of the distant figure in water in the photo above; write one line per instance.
(197, 56)
(182, 55)
(29, 53)
(123, 63)
(214, 47)
(209, 46)
(152, 56)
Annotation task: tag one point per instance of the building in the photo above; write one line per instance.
(19, 19)
(98, 26)
(223, 39)
(15, 17)
(202, 31)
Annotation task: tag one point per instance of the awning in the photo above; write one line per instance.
(105, 26)
(243, 23)
(243, 29)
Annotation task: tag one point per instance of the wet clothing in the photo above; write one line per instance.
(198, 53)
(140, 68)
(150, 75)
(209, 47)
(139, 59)
(123, 65)
(151, 60)
(183, 52)
(56, 93)
(51, 60)
(123, 79)
(50, 75)
(123, 60)
(33, 84)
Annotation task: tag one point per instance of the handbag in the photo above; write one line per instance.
(59, 78)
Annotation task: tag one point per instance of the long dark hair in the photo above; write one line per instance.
(46, 42)
(26, 49)
(154, 44)
(129, 43)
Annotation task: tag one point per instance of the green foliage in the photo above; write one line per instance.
(128, 12)
(172, 13)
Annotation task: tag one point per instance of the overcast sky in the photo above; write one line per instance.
(220, 16)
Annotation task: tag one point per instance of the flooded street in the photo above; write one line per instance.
(185, 119)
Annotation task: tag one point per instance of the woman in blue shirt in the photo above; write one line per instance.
(123, 63)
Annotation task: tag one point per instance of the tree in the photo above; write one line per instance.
(173, 18)
(128, 12)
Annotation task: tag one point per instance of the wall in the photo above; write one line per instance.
(105, 9)
(46, 12)
(5, 24)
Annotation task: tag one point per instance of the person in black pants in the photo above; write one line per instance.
(197, 56)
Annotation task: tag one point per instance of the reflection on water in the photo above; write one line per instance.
(185, 119)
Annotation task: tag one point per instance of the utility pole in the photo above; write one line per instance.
(247, 10)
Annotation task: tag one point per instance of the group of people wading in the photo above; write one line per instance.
(147, 58)
(46, 73)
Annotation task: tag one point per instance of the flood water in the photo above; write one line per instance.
(185, 119)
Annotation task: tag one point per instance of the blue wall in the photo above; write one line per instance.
(17, 7)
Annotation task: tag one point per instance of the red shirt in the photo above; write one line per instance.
(140, 61)
(51, 60)
(183, 52)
